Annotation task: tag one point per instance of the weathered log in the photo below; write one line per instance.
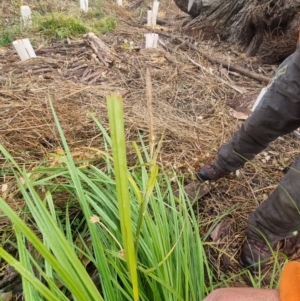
(265, 28)
(102, 51)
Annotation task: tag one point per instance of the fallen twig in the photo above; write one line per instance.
(215, 76)
(195, 190)
(227, 65)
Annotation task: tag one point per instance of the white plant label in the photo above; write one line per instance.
(24, 49)
(26, 15)
(154, 12)
(84, 5)
(149, 17)
(151, 40)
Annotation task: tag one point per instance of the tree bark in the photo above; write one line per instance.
(267, 29)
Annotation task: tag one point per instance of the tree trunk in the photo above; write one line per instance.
(196, 7)
(265, 28)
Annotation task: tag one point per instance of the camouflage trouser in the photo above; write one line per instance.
(277, 114)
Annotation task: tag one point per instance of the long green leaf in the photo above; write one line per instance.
(103, 268)
(116, 122)
(27, 275)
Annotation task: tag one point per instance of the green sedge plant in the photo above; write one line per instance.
(135, 240)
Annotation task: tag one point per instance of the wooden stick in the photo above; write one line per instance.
(227, 65)
(215, 76)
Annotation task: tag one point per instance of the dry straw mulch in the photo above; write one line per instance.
(190, 110)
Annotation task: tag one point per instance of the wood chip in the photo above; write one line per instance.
(195, 190)
(4, 187)
(238, 115)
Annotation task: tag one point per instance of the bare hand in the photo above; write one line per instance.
(243, 294)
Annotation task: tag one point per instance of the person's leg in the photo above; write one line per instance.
(275, 219)
(279, 216)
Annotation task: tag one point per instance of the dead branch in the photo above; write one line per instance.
(236, 68)
(99, 47)
(215, 76)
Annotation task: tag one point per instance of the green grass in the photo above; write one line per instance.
(107, 24)
(133, 239)
(57, 21)
(9, 32)
(60, 25)
(139, 240)
(6, 38)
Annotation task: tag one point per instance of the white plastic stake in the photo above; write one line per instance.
(149, 17)
(24, 49)
(155, 41)
(148, 37)
(84, 5)
(154, 12)
(261, 94)
(119, 2)
(26, 15)
(151, 40)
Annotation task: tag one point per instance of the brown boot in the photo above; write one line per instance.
(211, 172)
(255, 255)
